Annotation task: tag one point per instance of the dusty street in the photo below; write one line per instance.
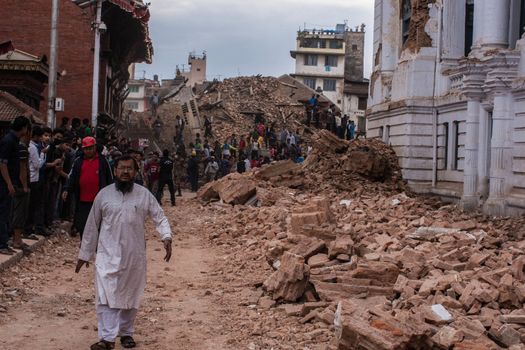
(197, 301)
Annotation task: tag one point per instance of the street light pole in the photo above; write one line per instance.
(52, 78)
(96, 65)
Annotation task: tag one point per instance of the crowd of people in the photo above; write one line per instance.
(51, 175)
(48, 176)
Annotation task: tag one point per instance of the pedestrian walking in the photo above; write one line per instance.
(193, 172)
(166, 177)
(115, 234)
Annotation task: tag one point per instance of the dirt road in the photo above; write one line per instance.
(207, 297)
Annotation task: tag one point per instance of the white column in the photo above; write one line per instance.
(469, 200)
(390, 26)
(453, 28)
(496, 15)
(499, 162)
(483, 153)
(479, 6)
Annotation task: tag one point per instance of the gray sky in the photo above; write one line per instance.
(245, 37)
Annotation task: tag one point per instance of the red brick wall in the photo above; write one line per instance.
(28, 23)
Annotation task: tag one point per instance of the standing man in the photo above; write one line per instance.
(115, 233)
(193, 171)
(152, 170)
(10, 176)
(166, 176)
(90, 174)
(37, 160)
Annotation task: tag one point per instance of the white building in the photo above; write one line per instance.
(448, 93)
(320, 61)
(139, 94)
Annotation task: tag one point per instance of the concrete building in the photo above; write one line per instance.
(331, 62)
(448, 93)
(140, 92)
(196, 74)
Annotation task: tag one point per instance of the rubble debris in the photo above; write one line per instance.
(289, 281)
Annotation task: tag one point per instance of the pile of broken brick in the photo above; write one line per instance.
(234, 104)
(383, 268)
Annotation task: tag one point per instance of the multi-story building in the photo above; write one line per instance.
(124, 41)
(320, 61)
(140, 92)
(448, 93)
(331, 62)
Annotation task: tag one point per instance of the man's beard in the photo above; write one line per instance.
(124, 186)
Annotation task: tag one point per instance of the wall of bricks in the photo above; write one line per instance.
(28, 24)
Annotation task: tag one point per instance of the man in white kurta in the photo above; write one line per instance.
(115, 233)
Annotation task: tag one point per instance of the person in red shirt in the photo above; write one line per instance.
(152, 170)
(91, 172)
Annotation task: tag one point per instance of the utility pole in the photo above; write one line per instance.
(52, 78)
(96, 65)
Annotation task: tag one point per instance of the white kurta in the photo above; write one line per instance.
(115, 232)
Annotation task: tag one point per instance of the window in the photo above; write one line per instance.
(134, 88)
(386, 135)
(445, 155)
(381, 128)
(406, 15)
(310, 60)
(522, 18)
(132, 105)
(469, 26)
(310, 82)
(329, 85)
(313, 43)
(361, 103)
(331, 61)
(354, 47)
(336, 44)
(456, 146)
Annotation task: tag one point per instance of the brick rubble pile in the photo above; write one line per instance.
(367, 264)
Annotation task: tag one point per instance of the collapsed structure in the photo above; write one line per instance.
(447, 93)
(349, 247)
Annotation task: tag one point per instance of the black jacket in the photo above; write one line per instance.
(105, 177)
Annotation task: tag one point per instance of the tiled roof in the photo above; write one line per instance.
(11, 107)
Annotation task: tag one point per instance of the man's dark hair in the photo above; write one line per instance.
(58, 131)
(20, 122)
(126, 157)
(85, 121)
(48, 130)
(166, 153)
(37, 131)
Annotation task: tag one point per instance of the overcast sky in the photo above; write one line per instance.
(244, 37)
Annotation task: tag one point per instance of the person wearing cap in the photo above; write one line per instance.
(90, 173)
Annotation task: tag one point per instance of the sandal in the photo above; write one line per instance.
(103, 345)
(127, 342)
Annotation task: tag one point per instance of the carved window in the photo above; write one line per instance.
(455, 160)
(445, 144)
(469, 26)
(406, 15)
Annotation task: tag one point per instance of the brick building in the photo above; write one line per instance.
(125, 41)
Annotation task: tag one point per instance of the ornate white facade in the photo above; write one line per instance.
(448, 93)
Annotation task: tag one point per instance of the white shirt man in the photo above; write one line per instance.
(115, 233)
